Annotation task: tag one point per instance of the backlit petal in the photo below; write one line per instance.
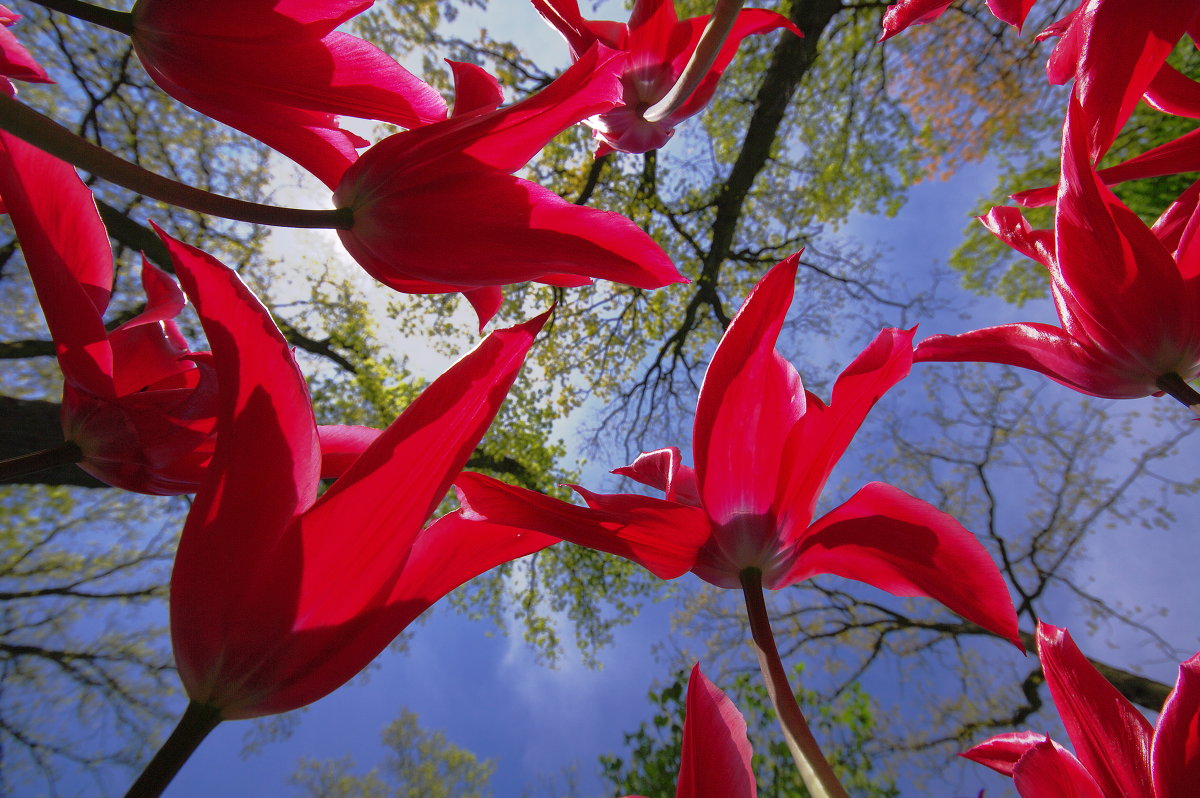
(1111, 738)
(893, 541)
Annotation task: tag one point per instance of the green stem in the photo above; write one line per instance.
(120, 21)
(715, 33)
(33, 462)
(44, 133)
(1176, 387)
(197, 721)
(815, 770)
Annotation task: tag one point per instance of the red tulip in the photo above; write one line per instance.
(277, 596)
(715, 758)
(136, 401)
(139, 404)
(904, 13)
(1127, 295)
(280, 72)
(658, 45)
(764, 448)
(1118, 754)
(437, 209)
(15, 60)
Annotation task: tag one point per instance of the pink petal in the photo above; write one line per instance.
(1111, 738)
(1044, 349)
(1001, 753)
(515, 231)
(893, 541)
(66, 249)
(904, 13)
(581, 34)
(475, 91)
(264, 473)
(390, 491)
(1176, 748)
(1049, 771)
(1011, 12)
(1172, 92)
(751, 397)
(341, 445)
(814, 446)
(664, 470)
(715, 759)
(1010, 226)
(660, 536)
(15, 61)
(316, 661)
(1170, 227)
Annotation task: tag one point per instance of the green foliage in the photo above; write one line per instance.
(651, 766)
(82, 643)
(419, 764)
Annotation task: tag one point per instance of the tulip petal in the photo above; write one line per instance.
(664, 470)
(893, 541)
(15, 61)
(660, 536)
(316, 661)
(1172, 92)
(814, 446)
(341, 444)
(751, 397)
(715, 758)
(904, 13)
(517, 231)
(388, 493)
(1002, 752)
(580, 33)
(264, 471)
(69, 258)
(1041, 348)
(1176, 748)
(1110, 737)
(1049, 771)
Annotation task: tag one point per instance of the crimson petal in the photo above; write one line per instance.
(893, 541)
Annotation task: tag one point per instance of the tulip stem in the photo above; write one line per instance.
(1177, 387)
(197, 721)
(64, 453)
(25, 123)
(815, 770)
(715, 33)
(120, 21)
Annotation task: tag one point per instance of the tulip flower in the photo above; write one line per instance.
(1126, 294)
(715, 757)
(15, 60)
(437, 210)
(1118, 754)
(904, 13)
(764, 448)
(139, 407)
(278, 597)
(659, 46)
(280, 72)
